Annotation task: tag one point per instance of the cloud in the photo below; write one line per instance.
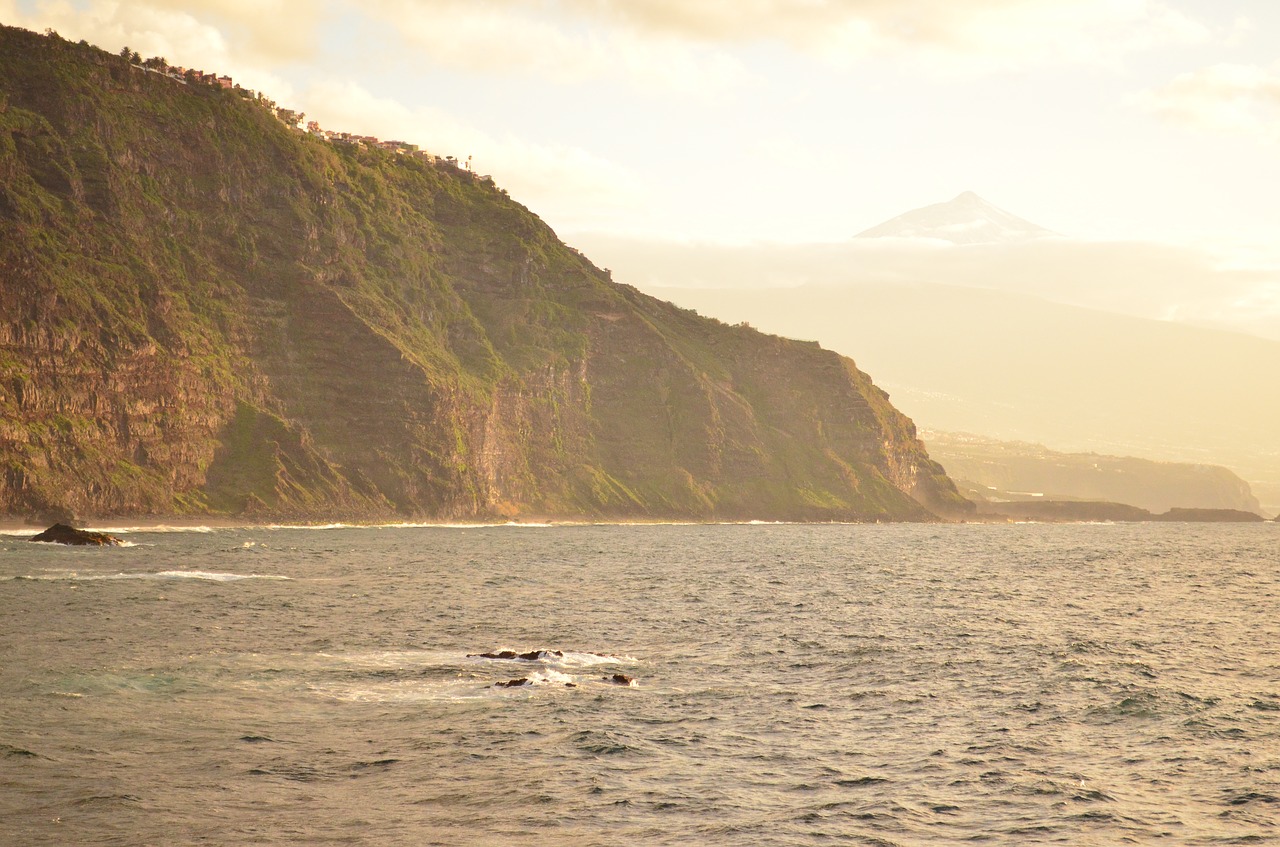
(1134, 278)
(990, 31)
(695, 46)
(504, 36)
(147, 29)
(153, 29)
(655, 45)
(568, 186)
(273, 30)
(1242, 99)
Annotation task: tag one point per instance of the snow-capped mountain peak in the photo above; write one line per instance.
(965, 219)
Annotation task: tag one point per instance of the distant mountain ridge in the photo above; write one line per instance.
(964, 219)
(1018, 368)
(205, 311)
(1011, 471)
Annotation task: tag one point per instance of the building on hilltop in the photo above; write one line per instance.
(289, 117)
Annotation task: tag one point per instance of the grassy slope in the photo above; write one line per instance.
(206, 311)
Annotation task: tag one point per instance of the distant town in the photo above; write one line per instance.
(290, 118)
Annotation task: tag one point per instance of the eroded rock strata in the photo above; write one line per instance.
(204, 310)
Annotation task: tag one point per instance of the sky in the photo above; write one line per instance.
(741, 123)
(738, 121)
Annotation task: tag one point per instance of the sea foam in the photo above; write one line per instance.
(210, 576)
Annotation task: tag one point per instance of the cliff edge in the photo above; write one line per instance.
(205, 311)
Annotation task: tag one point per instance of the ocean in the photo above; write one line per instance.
(685, 685)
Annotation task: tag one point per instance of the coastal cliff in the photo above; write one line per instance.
(206, 311)
(1015, 471)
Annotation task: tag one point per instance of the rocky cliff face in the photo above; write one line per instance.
(205, 311)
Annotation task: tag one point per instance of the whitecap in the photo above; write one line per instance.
(212, 576)
(203, 530)
(416, 691)
(479, 525)
(308, 526)
(215, 576)
(395, 658)
(545, 676)
(566, 658)
(581, 660)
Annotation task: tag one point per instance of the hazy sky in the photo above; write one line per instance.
(778, 120)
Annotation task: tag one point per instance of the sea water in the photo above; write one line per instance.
(718, 685)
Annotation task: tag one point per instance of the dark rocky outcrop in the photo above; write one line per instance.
(61, 533)
(204, 311)
(531, 656)
(513, 683)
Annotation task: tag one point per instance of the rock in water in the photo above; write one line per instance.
(531, 656)
(60, 533)
(536, 655)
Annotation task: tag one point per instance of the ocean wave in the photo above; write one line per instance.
(210, 576)
(323, 526)
(553, 658)
(545, 676)
(215, 576)
(415, 690)
(409, 525)
(403, 691)
(118, 543)
(165, 528)
(403, 676)
(395, 658)
(566, 659)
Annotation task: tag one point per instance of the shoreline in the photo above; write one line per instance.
(17, 527)
(14, 526)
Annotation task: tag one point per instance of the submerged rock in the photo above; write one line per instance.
(60, 533)
(513, 683)
(535, 655)
(531, 656)
(619, 679)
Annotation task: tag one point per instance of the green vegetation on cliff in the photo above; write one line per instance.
(205, 311)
